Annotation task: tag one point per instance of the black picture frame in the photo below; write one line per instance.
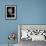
(13, 16)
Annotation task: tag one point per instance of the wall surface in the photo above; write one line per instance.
(28, 12)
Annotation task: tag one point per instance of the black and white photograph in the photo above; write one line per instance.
(31, 34)
(10, 12)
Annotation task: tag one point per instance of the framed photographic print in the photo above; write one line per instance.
(10, 12)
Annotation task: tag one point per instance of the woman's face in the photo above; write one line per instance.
(10, 11)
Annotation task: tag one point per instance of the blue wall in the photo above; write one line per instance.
(28, 12)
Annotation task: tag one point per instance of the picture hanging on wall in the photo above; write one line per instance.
(10, 12)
